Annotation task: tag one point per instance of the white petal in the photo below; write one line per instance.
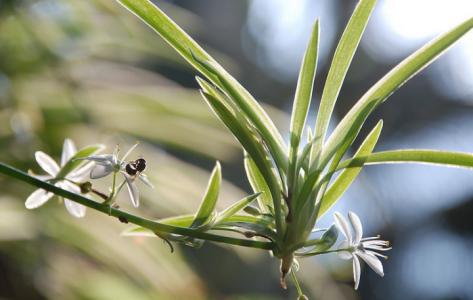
(101, 158)
(43, 177)
(37, 198)
(129, 151)
(372, 261)
(342, 225)
(100, 171)
(47, 163)
(356, 271)
(132, 191)
(358, 228)
(145, 180)
(81, 173)
(68, 151)
(346, 255)
(376, 254)
(75, 209)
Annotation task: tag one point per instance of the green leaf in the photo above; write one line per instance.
(190, 50)
(434, 157)
(236, 207)
(77, 159)
(346, 178)
(249, 229)
(255, 150)
(136, 230)
(271, 137)
(341, 62)
(351, 124)
(302, 99)
(257, 182)
(327, 240)
(251, 210)
(262, 225)
(209, 201)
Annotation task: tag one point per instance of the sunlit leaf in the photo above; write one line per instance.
(341, 62)
(209, 201)
(302, 99)
(236, 207)
(346, 178)
(190, 50)
(433, 157)
(351, 124)
(257, 182)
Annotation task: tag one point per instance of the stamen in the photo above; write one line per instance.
(371, 238)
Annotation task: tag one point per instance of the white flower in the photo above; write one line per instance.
(358, 247)
(40, 196)
(106, 164)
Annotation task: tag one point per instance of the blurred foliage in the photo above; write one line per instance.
(87, 70)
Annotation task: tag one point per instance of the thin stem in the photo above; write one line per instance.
(114, 182)
(321, 252)
(296, 283)
(154, 226)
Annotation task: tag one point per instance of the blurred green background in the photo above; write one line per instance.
(91, 71)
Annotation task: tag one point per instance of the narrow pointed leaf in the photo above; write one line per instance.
(346, 178)
(190, 50)
(255, 151)
(340, 63)
(210, 198)
(303, 98)
(434, 157)
(236, 207)
(260, 121)
(351, 124)
(257, 182)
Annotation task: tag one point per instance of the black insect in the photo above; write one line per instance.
(134, 167)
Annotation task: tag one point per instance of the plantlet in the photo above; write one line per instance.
(294, 184)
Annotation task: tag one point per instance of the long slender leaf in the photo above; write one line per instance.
(346, 178)
(351, 124)
(341, 62)
(254, 149)
(257, 182)
(302, 99)
(209, 201)
(190, 50)
(272, 137)
(435, 157)
(236, 207)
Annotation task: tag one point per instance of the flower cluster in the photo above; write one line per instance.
(89, 167)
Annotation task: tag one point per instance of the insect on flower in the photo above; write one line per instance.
(106, 164)
(135, 167)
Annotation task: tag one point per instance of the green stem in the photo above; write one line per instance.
(321, 252)
(296, 283)
(114, 182)
(149, 224)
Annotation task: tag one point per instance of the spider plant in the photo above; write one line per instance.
(295, 183)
